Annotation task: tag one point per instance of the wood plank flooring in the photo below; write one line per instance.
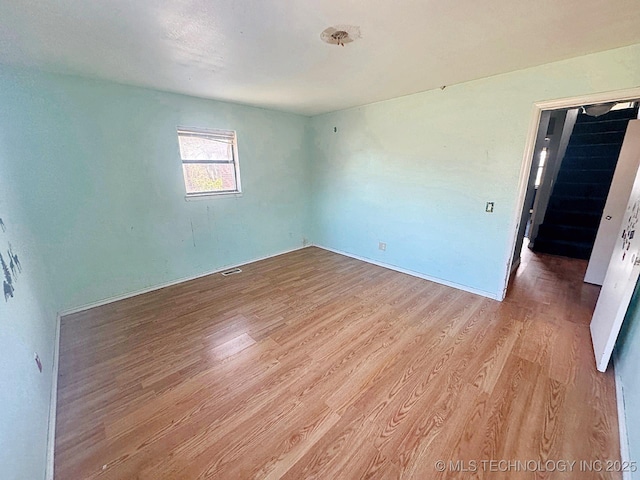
(315, 365)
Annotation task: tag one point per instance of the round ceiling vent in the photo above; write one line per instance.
(340, 34)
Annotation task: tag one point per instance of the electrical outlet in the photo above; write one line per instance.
(382, 246)
(489, 207)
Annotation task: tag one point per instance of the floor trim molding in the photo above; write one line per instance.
(475, 291)
(56, 353)
(152, 288)
(54, 386)
(625, 455)
(53, 403)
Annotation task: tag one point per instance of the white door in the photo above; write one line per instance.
(619, 281)
(614, 210)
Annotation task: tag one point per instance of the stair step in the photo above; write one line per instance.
(588, 162)
(576, 189)
(604, 150)
(627, 113)
(576, 203)
(576, 175)
(597, 138)
(619, 125)
(567, 233)
(579, 195)
(573, 218)
(566, 249)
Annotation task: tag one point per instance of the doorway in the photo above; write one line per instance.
(527, 218)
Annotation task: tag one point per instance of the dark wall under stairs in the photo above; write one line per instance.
(579, 195)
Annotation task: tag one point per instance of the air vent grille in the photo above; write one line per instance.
(233, 271)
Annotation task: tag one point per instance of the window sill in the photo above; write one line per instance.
(204, 196)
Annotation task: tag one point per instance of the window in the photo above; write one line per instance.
(209, 161)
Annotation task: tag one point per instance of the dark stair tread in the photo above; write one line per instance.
(575, 197)
(569, 211)
(544, 241)
(553, 232)
(580, 192)
(602, 150)
(578, 170)
(597, 138)
(588, 156)
(581, 189)
(571, 175)
(558, 219)
(581, 203)
(626, 114)
(596, 163)
(617, 125)
(575, 213)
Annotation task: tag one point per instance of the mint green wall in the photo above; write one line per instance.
(99, 169)
(415, 172)
(101, 176)
(27, 326)
(627, 364)
(92, 179)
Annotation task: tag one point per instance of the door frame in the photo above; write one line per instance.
(527, 161)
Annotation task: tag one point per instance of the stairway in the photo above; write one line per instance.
(580, 192)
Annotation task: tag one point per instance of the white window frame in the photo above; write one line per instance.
(232, 136)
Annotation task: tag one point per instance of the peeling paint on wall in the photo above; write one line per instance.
(10, 262)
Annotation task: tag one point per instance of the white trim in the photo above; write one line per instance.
(152, 288)
(538, 107)
(625, 454)
(624, 444)
(205, 196)
(459, 286)
(602, 97)
(231, 135)
(53, 403)
(523, 184)
(49, 475)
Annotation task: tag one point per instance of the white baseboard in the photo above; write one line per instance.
(56, 353)
(51, 435)
(54, 387)
(476, 291)
(152, 288)
(625, 455)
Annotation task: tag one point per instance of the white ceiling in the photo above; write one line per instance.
(269, 53)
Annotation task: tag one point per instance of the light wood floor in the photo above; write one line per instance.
(312, 364)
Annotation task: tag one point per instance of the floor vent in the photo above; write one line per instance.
(231, 272)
